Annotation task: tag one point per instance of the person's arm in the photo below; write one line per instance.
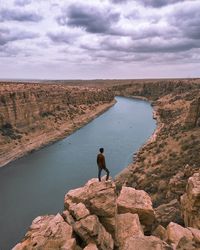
(103, 161)
(98, 159)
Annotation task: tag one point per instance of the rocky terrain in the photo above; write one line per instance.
(98, 217)
(163, 165)
(33, 115)
(119, 214)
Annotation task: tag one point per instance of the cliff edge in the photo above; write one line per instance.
(96, 216)
(33, 115)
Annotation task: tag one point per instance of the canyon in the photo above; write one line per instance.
(163, 179)
(163, 165)
(33, 115)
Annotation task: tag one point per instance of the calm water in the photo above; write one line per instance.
(36, 184)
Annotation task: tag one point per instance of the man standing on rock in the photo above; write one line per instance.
(102, 164)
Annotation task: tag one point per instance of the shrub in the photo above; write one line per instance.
(7, 130)
(46, 114)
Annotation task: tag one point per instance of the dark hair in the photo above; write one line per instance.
(101, 150)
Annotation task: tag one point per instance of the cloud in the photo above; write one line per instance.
(151, 3)
(119, 1)
(155, 46)
(8, 51)
(19, 15)
(8, 35)
(100, 32)
(22, 2)
(187, 19)
(90, 18)
(158, 3)
(63, 37)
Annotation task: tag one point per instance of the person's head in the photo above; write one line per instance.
(101, 150)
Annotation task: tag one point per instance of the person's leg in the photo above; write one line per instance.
(99, 174)
(107, 171)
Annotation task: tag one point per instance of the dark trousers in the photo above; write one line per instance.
(99, 174)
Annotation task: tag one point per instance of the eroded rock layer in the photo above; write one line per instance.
(32, 115)
(163, 165)
(190, 202)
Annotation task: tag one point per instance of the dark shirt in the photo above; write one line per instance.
(101, 161)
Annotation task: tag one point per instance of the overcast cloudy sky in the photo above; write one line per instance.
(69, 39)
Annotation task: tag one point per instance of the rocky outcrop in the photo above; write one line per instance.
(32, 115)
(145, 243)
(193, 117)
(158, 167)
(175, 232)
(90, 229)
(99, 197)
(190, 202)
(127, 225)
(49, 232)
(169, 212)
(183, 238)
(139, 202)
(95, 217)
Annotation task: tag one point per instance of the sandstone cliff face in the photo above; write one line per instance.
(163, 165)
(190, 202)
(154, 89)
(95, 217)
(24, 105)
(193, 117)
(32, 115)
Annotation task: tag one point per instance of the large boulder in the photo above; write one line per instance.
(78, 211)
(98, 197)
(186, 243)
(169, 212)
(160, 232)
(175, 232)
(91, 246)
(48, 233)
(190, 202)
(67, 217)
(134, 201)
(145, 243)
(90, 230)
(196, 234)
(127, 225)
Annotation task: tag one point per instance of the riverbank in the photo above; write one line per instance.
(41, 179)
(162, 166)
(34, 115)
(124, 177)
(40, 139)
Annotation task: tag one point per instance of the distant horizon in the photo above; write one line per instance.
(98, 79)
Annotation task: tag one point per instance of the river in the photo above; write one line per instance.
(36, 183)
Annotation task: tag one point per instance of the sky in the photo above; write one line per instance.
(99, 39)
